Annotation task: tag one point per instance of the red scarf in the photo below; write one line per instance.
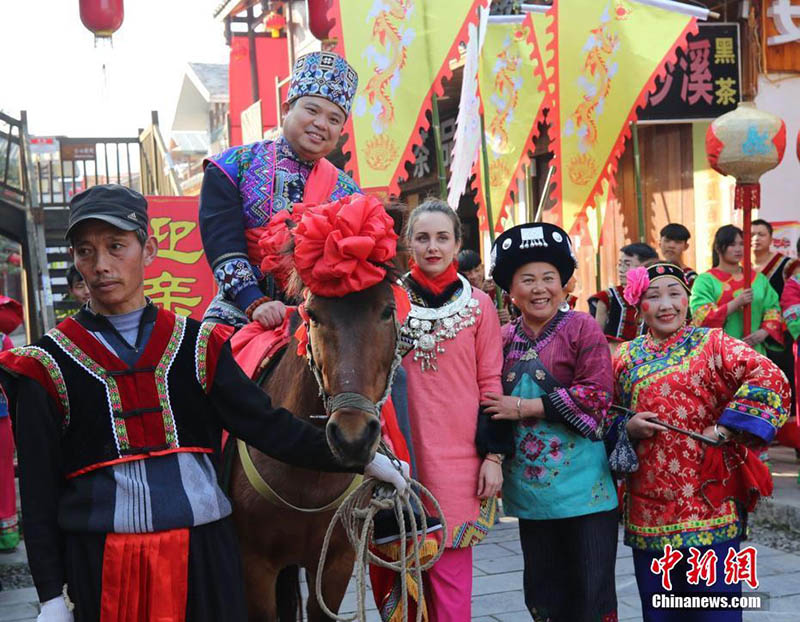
(437, 284)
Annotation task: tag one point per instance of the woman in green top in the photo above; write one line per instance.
(719, 295)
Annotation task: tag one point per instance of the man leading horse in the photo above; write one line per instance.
(119, 412)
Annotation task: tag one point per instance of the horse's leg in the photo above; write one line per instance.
(259, 583)
(338, 569)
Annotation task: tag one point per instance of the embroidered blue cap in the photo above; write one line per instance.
(326, 75)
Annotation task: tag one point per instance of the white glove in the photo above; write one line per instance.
(55, 610)
(383, 469)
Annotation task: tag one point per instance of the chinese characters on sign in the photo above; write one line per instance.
(739, 566)
(783, 14)
(704, 82)
(425, 153)
(179, 279)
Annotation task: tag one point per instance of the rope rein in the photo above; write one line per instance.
(357, 514)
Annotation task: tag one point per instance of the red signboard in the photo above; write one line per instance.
(180, 279)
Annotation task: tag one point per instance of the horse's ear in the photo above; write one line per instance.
(294, 287)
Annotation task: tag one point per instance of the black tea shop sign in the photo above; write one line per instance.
(705, 80)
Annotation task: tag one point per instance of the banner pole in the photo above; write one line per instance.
(437, 141)
(487, 198)
(637, 180)
(486, 186)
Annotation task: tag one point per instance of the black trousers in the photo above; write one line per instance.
(215, 584)
(569, 567)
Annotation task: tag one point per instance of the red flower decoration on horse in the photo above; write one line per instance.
(339, 246)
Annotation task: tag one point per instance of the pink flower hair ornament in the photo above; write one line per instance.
(637, 283)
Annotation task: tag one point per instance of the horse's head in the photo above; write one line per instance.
(352, 342)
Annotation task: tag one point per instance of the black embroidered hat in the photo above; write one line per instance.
(539, 241)
(117, 205)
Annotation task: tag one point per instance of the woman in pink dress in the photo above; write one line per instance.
(453, 358)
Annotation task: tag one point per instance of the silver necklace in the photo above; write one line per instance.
(428, 327)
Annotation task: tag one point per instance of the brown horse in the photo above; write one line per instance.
(353, 343)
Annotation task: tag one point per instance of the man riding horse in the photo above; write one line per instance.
(245, 186)
(119, 412)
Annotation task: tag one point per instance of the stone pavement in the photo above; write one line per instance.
(497, 567)
(497, 589)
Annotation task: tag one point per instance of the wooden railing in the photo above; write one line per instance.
(158, 174)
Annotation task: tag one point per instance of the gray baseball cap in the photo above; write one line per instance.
(117, 205)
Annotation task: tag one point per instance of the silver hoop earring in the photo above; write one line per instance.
(564, 306)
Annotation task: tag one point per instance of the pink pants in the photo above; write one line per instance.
(448, 587)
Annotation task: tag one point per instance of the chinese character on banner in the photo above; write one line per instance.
(700, 85)
(723, 50)
(741, 566)
(179, 279)
(704, 80)
(664, 565)
(726, 91)
(701, 567)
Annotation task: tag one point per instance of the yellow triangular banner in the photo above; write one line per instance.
(400, 49)
(607, 54)
(509, 79)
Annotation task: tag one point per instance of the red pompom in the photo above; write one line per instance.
(338, 246)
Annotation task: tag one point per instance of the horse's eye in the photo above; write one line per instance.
(312, 316)
(387, 314)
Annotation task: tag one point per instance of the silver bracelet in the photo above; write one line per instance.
(719, 434)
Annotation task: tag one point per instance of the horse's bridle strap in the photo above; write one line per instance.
(261, 486)
(352, 400)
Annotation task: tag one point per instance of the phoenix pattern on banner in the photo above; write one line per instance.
(401, 50)
(605, 60)
(388, 56)
(509, 77)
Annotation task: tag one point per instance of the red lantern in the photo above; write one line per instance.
(746, 143)
(10, 315)
(102, 17)
(274, 22)
(318, 22)
(798, 144)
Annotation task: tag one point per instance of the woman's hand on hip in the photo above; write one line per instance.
(490, 478)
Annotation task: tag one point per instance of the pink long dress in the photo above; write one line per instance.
(443, 409)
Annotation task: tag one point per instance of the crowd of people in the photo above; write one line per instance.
(659, 397)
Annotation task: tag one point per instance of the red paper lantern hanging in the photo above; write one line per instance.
(274, 22)
(102, 17)
(746, 143)
(318, 22)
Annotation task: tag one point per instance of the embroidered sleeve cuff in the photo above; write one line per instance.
(559, 406)
(247, 296)
(237, 281)
(750, 420)
(775, 330)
